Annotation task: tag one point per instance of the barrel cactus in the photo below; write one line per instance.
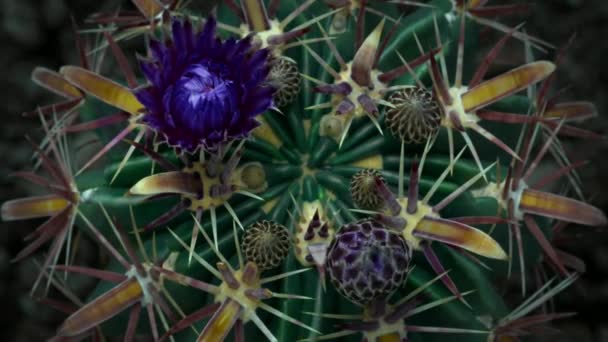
(305, 170)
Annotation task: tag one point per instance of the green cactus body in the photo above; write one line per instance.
(296, 168)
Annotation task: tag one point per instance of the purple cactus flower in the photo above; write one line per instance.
(204, 91)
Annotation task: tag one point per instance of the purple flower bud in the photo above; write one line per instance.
(367, 261)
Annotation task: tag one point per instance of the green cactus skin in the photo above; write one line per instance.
(298, 165)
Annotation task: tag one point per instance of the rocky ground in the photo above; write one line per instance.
(36, 33)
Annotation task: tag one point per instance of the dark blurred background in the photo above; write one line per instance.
(38, 33)
(32, 33)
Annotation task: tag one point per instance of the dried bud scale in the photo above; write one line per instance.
(364, 191)
(285, 77)
(415, 115)
(314, 233)
(266, 244)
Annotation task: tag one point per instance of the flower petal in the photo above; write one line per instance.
(149, 8)
(33, 207)
(459, 235)
(255, 15)
(506, 84)
(102, 308)
(102, 88)
(571, 111)
(55, 82)
(560, 207)
(365, 57)
(222, 321)
(168, 182)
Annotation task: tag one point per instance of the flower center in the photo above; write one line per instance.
(202, 85)
(203, 101)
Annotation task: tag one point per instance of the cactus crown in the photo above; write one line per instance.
(269, 145)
